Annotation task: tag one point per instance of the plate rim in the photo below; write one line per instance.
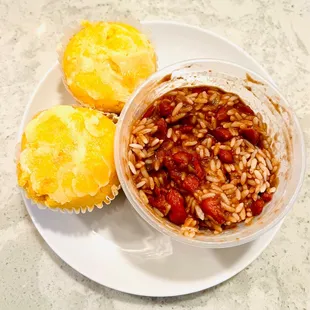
(221, 279)
(214, 34)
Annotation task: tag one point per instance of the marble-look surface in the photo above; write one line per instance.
(275, 32)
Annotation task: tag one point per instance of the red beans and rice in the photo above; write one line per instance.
(202, 158)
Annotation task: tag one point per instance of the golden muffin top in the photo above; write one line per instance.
(104, 62)
(66, 157)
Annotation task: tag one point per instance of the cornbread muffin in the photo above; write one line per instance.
(104, 62)
(66, 159)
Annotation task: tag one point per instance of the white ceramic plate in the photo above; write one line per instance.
(114, 246)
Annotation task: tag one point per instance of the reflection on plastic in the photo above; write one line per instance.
(121, 226)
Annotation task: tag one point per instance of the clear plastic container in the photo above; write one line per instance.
(262, 97)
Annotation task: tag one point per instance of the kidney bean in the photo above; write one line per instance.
(186, 128)
(182, 158)
(266, 197)
(257, 207)
(251, 135)
(150, 111)
(242, 108)
(221, 134)
(169, 163)
(187, 120)
(161, 132)
(221, 114)
(160, 191)
(190, 183)
(177, 213)
(176, 176)
(165, 108)
(199, 171)
(211, 206)
(159, 202)
(226, 156)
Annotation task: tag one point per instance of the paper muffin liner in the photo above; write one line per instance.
(74, 27)
(77, 210)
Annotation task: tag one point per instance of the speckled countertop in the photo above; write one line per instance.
(275, 32)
